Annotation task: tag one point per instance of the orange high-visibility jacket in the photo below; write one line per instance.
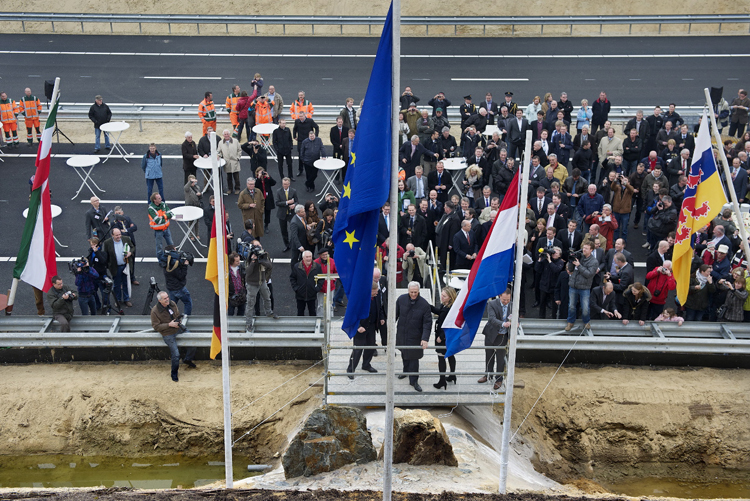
(263, 112)
(8, 110)
(206, 111)
(298, 107)
(30, 106)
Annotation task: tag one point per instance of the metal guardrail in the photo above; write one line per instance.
(324, 114)
(307, 332)
(136, 332)
(341, 21)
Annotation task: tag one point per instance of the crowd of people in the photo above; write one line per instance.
(587, 186)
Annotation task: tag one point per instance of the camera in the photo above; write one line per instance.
(325, 236)
(152, 282)
(257, 251)
(181, 256)
(576, 255)
(108, 283)
(81, 263)
(544, 252)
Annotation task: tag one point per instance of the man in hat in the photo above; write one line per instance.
(467, 110)
(512, 107)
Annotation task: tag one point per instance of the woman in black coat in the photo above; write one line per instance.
(635, 302)
(447, 296)
(265, 182)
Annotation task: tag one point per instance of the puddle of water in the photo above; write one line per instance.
(672, 487)
(157, 472)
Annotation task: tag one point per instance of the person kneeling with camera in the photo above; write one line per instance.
(61, 298)
(259, 268)
(87, 283)
(165, 319)
(175, 272)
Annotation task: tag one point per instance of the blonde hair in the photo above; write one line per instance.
(191, 178)
(451, 293)
(472, 169)
(257, 76)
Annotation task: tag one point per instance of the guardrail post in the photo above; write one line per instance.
(169, 25)
(140, 124)
(23, 26)
(198, 26)
(53, 26)
(81, 26)
(227, 28)
(111, 28)
(140, 28)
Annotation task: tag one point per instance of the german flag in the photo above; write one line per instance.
(218, 280)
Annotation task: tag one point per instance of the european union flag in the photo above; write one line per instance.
(366, 187)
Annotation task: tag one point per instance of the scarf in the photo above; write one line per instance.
(702, 281)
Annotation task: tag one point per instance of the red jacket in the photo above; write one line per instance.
(243, 103)
(324, 268)
(660, 282)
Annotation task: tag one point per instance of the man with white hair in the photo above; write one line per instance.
(305, 285)
(298, 233)
(97, 220)
(414, 318)
(165, 319)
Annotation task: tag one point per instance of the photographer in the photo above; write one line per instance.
(414, 263)
(98, 261)
(579, 284)
(61, 298)
(549, 266)
(264, 182)
(237, 289)
(331, 201)
(660, 282)
(663, 221)
(175, 266)
(165, 319)
(86, 282)
(259, 268)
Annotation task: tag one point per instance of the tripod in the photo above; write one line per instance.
(57, 133)
(117, 308)
(153, 289)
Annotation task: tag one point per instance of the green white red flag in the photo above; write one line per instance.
(36, 263)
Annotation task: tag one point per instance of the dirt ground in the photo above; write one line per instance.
(260, 495)
(596, 423)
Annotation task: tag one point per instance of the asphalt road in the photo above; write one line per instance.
(633, 70)
(120, 79)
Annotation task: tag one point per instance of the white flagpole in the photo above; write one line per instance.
(505, 447)
(221, 255)
(728, 177)
(392, 252)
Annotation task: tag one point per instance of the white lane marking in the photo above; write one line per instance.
(326, 78)
(34, 76)
(182, 78)
(410, 56)
(687, 79)
(489, 79)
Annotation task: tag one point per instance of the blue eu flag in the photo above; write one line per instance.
(366, 187)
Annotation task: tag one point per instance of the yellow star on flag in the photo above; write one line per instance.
(347, 190)
(350, 239)
(354, 158)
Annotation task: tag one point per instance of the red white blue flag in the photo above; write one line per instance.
(489, 276)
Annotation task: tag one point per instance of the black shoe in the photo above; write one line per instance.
(450, 379)
(299, 173)
(108, 147)
(292, 179)
(287, 249)
(535, 305)
(370, 369)
(175, 378)
(417, 387)
(190, 364)
(402, 376)
(441, 384)
(96, 150)
(374, 352)
(350, 377)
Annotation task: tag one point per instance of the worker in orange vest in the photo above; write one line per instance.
(263, 113)
(231, 107)
(301, 105)
(8, 112)
(31, 108)
(207, 112)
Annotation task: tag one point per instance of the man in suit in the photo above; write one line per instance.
(685, 140)
(465, 246)
(417, 184)
(562, 145)
(495, 337)
(118, 250)
(621, 275)
(571, 239)
(339, 132)
(539, 204)
(486, 214)
(480, 161)
(640, 125)
(657, 257)
(365, 335)
(664, 135)
(413, 229)
(561, 208)
(446, 228)
(604, 303)
(285, 200)
(298, 233)
(555, 220)
(679, 166)
(431, 219)
(384, 223)
(517, 134)
(537, 127)
(491, 107)
(619, 247)
(410, 155)
(739, 180)
(484, 201)
(441, 182)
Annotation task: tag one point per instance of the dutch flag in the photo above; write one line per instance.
(489, 276)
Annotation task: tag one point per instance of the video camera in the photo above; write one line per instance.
(181, 256)
(247, 249)
(81, 263)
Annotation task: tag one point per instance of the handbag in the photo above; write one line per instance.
(721, 312)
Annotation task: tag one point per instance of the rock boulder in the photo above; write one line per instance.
(420, 439)
(331, 438)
